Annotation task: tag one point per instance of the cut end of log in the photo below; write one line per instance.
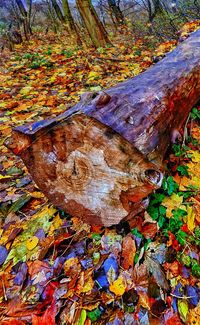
(87, 169)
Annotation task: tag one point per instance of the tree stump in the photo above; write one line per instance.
(101, 159)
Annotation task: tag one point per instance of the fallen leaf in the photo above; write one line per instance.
(128, 252)
(118, 287)
(183, 309)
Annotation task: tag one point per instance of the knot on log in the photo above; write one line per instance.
(102, 99)
(153, 177)
(77, 173)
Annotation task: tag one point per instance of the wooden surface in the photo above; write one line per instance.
(93, 161)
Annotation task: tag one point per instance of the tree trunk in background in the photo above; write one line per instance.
(25, 18)
(58, 11)
(115, 9)
(30, 3)
(52, 16)
(70, 21)
(100, 159)
(154, 8)
(91, 20)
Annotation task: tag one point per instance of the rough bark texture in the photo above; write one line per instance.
(102, 158)
(115, 9)
(70, 22)
(92, 23)
(25, 18)
(58, 11)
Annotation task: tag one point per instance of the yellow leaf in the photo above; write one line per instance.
(88, 286)
(144, 300)
(194, 316)
(37, 195)
(190, 218)
(32, 243)
(26, 90)
(196, 208)
(196, 156)
(73, 261)
(93, 74)
(171, 203)
(196, 181)
(183, 309)
(118, 287)
(4, 177)
(56, 224)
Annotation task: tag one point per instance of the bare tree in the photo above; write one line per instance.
(91, 20)
(116, 11)
(58, 11)
(69, 20)
(25, 16)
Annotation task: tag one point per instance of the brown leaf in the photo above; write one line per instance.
(149, 230)
(128, 252)
(140, 276)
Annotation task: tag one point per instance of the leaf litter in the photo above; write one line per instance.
(54, 268)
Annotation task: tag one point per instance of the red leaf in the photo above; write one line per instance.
(13, 322)
(173, 320)
(47, 318)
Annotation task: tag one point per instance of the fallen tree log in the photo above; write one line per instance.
(100, 159)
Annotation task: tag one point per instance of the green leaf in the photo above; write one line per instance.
(136, 233)
(169, 185)
(196, 270)
(96, 236)
(83, 317)
(27, 56)
(19, 203)
(185, 260)
(195, 114)
(172, 185)
(179, 213)
(157, 198)
(161, 221)
(14, 171)
(94, 314)
(137, 254)
(180, 150)
(183, 170)
(197, 232)
(181, 237)
(162, 210)
(154, 212)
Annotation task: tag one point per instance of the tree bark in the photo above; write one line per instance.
(101, 158)
(154, 8)
(115, 9)
(92, 23)
(58, 11)
(70, 21)
(25, 18)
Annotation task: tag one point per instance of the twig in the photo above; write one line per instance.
(185, 134)
(4, 290)
(179, 297)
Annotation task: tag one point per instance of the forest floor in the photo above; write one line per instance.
(54, 268)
